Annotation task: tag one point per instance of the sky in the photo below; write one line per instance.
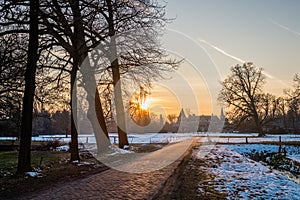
(213, 35)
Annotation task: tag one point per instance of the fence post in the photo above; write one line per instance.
(87, 140)
(280, 139)
(246, 140)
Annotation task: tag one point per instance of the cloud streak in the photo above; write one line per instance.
(285, 27)
(221, 51)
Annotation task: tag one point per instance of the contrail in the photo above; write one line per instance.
(268, 75)
(285, 27)
(222, 51)
(231, 56)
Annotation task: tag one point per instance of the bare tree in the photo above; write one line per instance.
(293, 104)
(12, 68)
(63, 23)
(242, 94)
(172, 118)
(24, 158)
(138, 108)
(282, 112)
(132, 48)
(79, 26)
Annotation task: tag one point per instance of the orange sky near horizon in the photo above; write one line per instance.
(185, 89)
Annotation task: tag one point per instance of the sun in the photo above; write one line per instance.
(145, 104)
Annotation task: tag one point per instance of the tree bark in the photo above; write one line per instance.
(24, 158)
(123, 140)
(73, 104)
(121, 123)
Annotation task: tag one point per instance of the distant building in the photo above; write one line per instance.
(41, 122)
(199, 123)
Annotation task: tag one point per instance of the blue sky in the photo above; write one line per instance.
(214, 35)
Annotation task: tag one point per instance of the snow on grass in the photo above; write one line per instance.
(295, 158)
(84, 163)
(62, 148)
(288, 165)
(33, 174)
(116, 150)
(246, 149)
(242, 178)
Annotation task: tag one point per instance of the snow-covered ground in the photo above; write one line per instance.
(173, 137)
(242, 178)
(295, 157)
(176, 137)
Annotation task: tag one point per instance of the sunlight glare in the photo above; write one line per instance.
(146, 104)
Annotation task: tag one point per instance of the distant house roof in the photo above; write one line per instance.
(182, 115)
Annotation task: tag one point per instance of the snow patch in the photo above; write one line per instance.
(116, 150)
(33, 174)
(242, 178)
(295, 158)
(63, 148)
(84, 163)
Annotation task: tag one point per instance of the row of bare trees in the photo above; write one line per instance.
(245, 101)
(99, 45)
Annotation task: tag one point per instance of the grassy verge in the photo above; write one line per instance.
(53, 166)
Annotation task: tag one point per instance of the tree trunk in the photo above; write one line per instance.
(260, 131)
(73, 104)
(95, 116)
(256, 119)
(259, 126)
(24, 158)
(95, 111)
(123, 140)
(99, 113)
